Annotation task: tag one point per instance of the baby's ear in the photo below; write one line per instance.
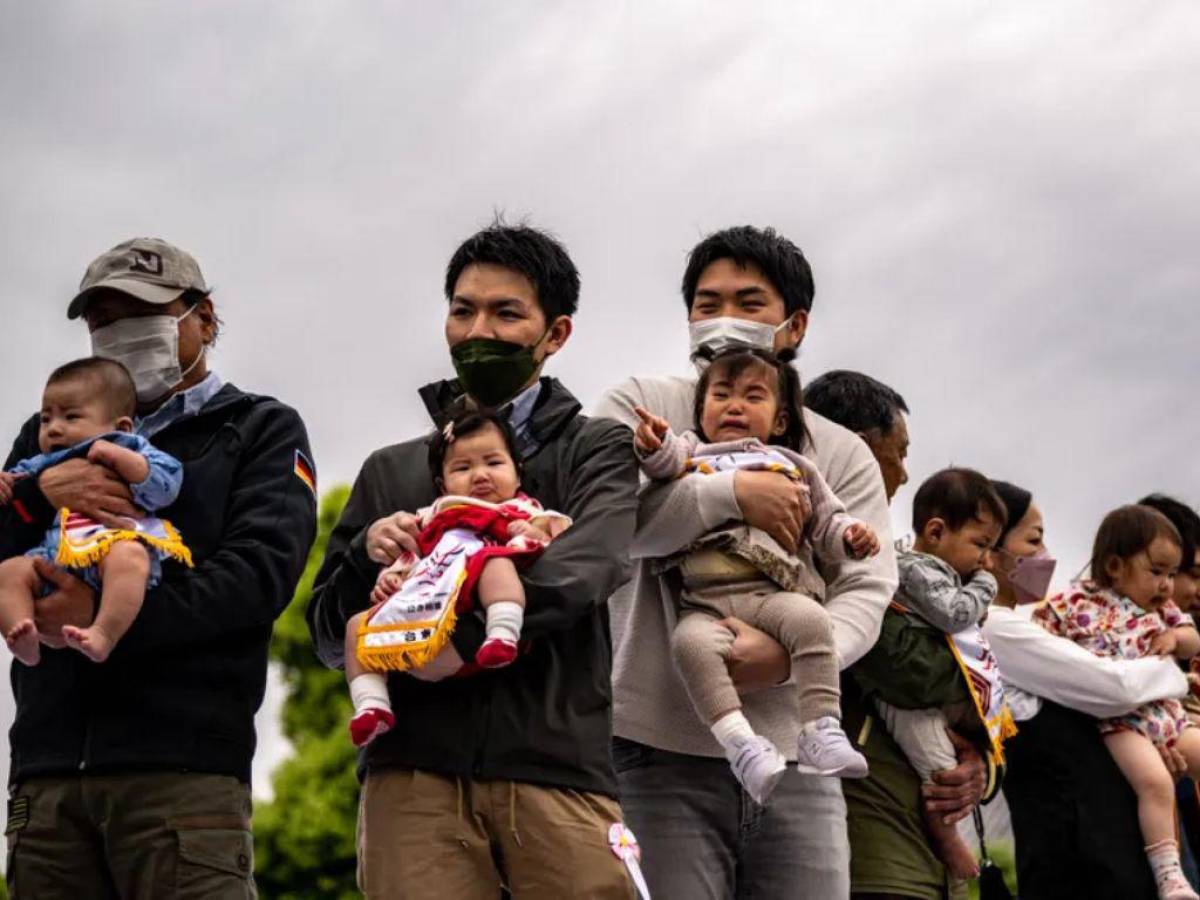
(125, 424)
(1112, 567)
(934, 530)
(781, 423)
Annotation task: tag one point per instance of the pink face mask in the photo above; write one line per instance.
(1031, 575)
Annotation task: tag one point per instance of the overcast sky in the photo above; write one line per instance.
(1001, 203)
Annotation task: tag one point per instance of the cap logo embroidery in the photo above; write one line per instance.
(146, 261)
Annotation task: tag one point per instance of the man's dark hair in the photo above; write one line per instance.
(466, 424)
(776, 257)
(1126, 532)
(787, 391)
(855, 401)
(1186, 522)
(535, 254)
(956, 496)
(111, 380)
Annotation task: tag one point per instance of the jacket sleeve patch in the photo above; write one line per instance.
(305, 471)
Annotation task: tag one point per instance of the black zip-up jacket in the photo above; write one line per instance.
(545, 719)
(181, 688)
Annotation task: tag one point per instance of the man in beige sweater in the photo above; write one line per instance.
(702, 836)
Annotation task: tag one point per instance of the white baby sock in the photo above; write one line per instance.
(504, 620)
(732, 730)
(369, 691)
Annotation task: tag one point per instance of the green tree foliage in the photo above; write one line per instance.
(304, 838)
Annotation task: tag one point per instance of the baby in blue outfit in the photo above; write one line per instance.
(87, 412)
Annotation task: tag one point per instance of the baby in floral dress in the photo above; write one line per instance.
(1125, 612)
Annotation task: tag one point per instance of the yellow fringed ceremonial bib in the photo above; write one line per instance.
(982, 675)
(409, 629)
(83, 542)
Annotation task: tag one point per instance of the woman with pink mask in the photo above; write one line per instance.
(1073, 813)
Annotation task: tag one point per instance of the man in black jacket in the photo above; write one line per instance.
(504, 776)
(131, 778)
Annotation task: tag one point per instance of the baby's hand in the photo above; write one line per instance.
(861, 541)
(7, 480)
(1164, 643)
(531, 530)
(103, 453)
(386, 585)
(551, 526)
(649, 434)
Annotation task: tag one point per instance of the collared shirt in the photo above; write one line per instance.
(180, 405)
(520, 414)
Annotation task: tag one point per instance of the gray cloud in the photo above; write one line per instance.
(1000, 203)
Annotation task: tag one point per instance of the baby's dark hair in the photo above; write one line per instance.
(732, 364)
(460, 427)
(110, 379)
(956, 496)
(1126, 532)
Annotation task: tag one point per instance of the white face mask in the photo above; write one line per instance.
(709, 338)
(148, 346)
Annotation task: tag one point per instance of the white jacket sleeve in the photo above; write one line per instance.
(859, 591)
(1061, 671)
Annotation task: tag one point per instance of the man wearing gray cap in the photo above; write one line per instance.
(130, 778)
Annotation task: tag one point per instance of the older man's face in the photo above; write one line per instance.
(891, 450)
(195, 331)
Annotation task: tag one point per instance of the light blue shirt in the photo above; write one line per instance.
(520, 414)
(180, 405)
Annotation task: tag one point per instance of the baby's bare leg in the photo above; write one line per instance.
(368, 691)
(353, 667)
(19, 585)
(502, 595)
(1147, 774)
(500, 583)
(1143, 767)
(123, 575)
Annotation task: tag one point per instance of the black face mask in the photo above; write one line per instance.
(494, 371)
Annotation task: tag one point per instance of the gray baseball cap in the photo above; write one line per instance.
(149, 269)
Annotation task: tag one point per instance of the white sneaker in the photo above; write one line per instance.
(758, 766)
(824, 749)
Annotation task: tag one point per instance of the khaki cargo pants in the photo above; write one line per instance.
(137, 837)
(422, 835)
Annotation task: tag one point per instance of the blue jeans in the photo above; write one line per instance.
(703, 838)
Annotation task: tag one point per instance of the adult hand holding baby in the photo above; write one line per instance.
(70, 602)
(774, 503)
(390, 536)
(92, 490)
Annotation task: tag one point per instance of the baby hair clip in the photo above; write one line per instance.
(448, 433)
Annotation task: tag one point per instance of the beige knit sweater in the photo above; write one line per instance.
(650, 704)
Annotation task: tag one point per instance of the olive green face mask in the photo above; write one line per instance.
(494, 371)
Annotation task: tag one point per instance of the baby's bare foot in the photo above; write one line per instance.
(23, 641)
(91, 642)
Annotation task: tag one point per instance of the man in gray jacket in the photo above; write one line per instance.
(702, 836)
